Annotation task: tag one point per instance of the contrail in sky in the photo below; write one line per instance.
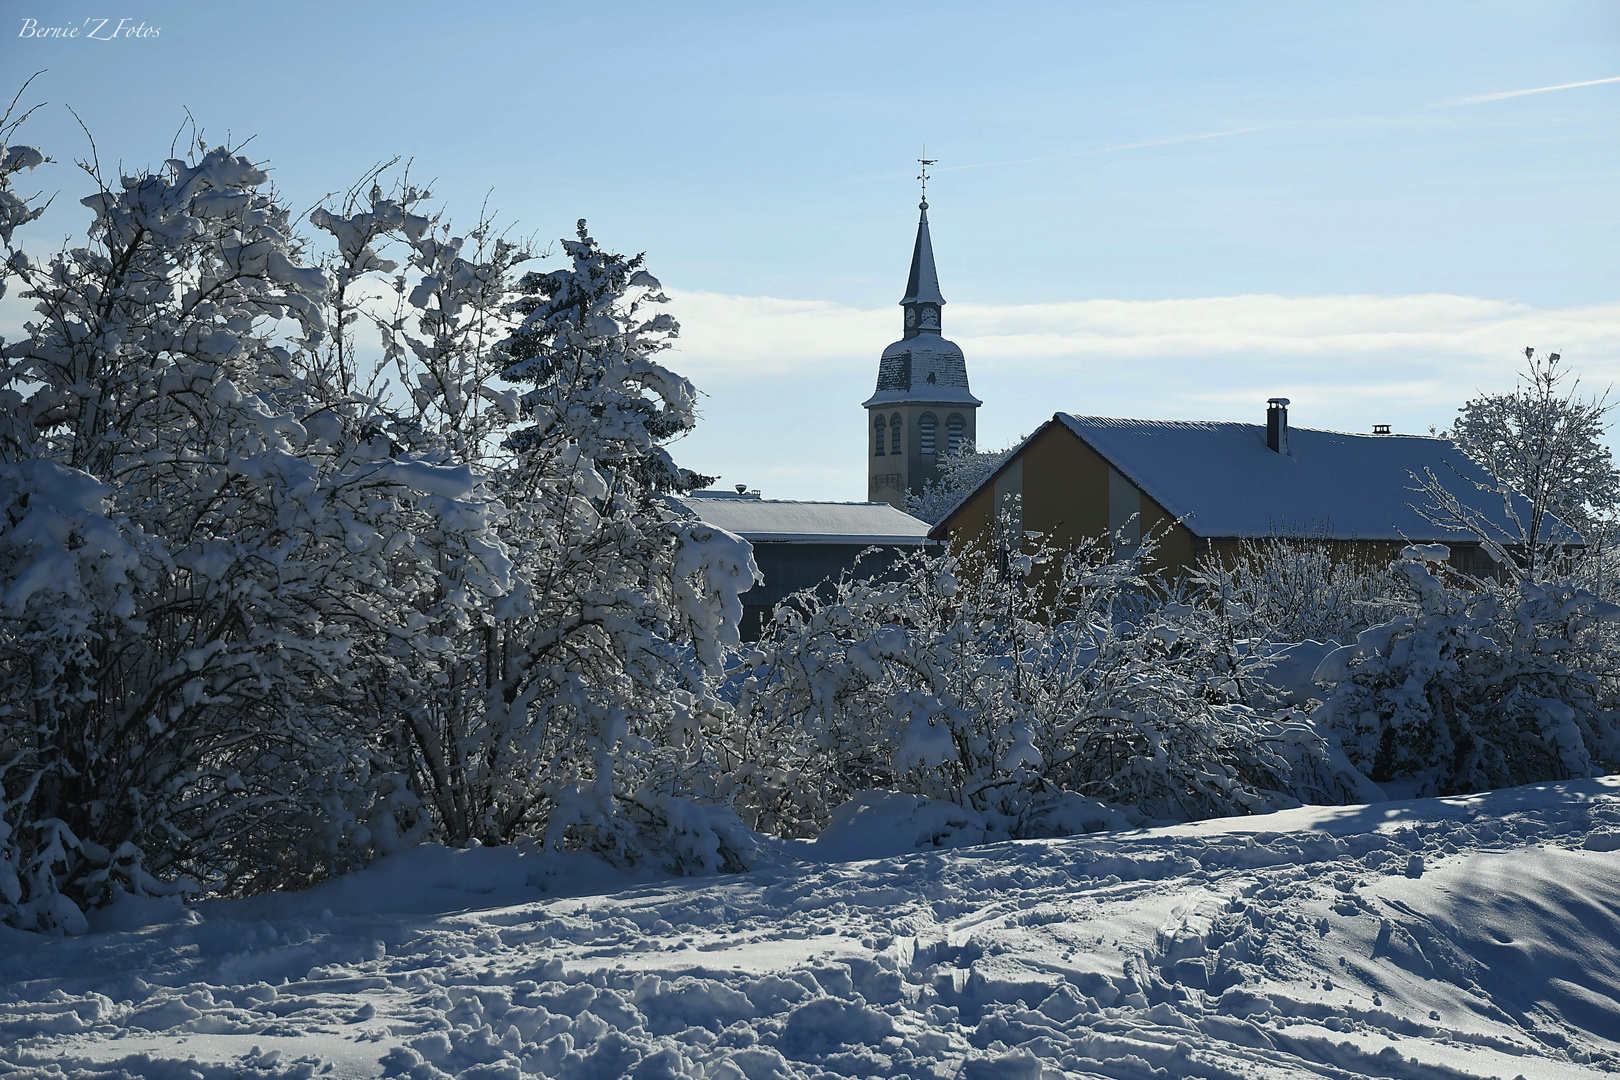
(1171, 139)
(1536, 90)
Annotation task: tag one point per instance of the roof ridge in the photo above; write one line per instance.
(1292, 428)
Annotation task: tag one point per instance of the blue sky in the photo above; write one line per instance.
(1165, 210)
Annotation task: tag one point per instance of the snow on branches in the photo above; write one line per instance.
(1039, 699)
(263, 611)
(1482, 686)
(313, 546)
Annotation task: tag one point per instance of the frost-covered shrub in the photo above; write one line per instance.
(1297, 588)
(959, 474)
(1067, 675)
(199, 520)
(1480, 687)
(573, 707)
(269, 605)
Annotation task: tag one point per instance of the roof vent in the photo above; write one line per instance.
(1380, 429)
(741, 492)
(1277, 424)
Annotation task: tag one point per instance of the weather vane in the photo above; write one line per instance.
(925, 161)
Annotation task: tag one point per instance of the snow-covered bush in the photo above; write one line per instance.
(199, 521)
(575, 706)
(269, 604)
(1482, 686)
(1066, 675)
(1289, 589)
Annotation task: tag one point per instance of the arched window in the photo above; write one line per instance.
(894, 434)
(925, 431)
(955, 430)
(878, 426)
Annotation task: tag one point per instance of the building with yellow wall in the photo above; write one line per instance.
(1203, 489)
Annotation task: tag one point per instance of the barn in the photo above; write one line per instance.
(1204, 488)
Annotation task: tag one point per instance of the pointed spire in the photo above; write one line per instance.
(923, 286)
(922, 300)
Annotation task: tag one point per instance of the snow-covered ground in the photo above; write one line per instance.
(1436, 938)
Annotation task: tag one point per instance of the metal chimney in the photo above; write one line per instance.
(1277, 424)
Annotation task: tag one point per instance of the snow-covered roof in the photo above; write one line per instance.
(926, 368)
(1225, 481)
(922, 368)
(793, 522)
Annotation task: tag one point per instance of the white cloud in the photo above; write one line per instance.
(1448, 332)
(785, 378)
(739, 335)
(725, 335)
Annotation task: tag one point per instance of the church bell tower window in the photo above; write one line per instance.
(879, 426)
(925, 431)
(955, 428)
(894, 434)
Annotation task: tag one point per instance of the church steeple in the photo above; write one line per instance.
(922, 408)
(922, 300)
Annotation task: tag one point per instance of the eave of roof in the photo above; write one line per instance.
(842, 539)
(930, 395)
(786, 521)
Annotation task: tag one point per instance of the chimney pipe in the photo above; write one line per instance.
(1277, 424)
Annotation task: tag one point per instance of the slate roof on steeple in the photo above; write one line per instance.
(923, 286)
(923, 367)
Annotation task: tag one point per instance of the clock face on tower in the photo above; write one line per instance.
(911, 317)
(930, 317)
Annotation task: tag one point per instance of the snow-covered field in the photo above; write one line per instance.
(1473, 936)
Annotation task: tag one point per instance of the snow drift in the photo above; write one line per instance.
(1445, 938)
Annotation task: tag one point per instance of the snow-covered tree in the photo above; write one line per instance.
(959, 473)
(1546, 443)
(269, 604)
(200, 521)
(578, 702)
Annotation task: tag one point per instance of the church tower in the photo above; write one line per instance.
(922, 407)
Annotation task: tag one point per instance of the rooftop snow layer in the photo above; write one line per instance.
(1226, 482)
(786, 521)
(924, 368)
